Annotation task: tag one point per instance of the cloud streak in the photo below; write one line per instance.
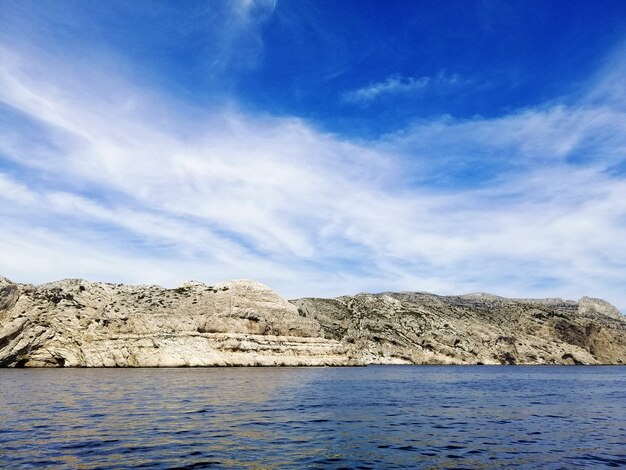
(105, 179)
(399, 85)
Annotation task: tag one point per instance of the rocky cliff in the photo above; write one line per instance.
(80, 323)
(241, 323)
(422, 328)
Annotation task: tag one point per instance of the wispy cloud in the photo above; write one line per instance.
(232, 39)
(399, 85)
(103, 178)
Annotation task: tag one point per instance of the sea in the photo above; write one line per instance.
(372, 417)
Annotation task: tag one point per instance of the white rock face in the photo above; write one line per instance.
(81, 323)
(77, 323)
(590, 306)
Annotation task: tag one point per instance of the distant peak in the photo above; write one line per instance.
(243, 283)
(192, 284)
(598, 306)
(481, 296)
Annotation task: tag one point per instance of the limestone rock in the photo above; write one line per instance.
(588, 306)
(422, 328)
(87, 324)
(80, 323)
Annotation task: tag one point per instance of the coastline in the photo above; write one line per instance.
(77, 323)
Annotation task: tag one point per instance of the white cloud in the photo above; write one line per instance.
(397, 84)
(109, 181)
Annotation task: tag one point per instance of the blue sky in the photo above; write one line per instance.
(320, 147)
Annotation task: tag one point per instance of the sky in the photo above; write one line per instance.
(321, 147)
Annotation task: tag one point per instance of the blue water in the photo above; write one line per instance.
(371, 417)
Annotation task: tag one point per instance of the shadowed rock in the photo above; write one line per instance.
(422, 328)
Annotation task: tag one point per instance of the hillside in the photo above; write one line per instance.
(423, 328)
(77, 323)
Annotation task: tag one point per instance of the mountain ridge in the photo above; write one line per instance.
(74, 322)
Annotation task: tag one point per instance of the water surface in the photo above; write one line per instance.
(370, 417)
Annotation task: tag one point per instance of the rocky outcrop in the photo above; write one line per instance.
(76, 323)
(80, 323)
(422, 328)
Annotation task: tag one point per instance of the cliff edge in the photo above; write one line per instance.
(77, 323)
(423, 328)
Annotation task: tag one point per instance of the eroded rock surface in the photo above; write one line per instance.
(240, 323)
(81, 323)
(422, 328)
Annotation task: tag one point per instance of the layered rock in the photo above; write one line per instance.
(80, 323)
(243, 323)
(422, 328)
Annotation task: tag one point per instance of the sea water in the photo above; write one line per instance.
(366, 417)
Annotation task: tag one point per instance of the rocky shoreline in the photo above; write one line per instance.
(77, 323)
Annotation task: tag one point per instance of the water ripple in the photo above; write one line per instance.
(374, 417)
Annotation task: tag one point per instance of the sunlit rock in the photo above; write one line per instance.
(77, 323)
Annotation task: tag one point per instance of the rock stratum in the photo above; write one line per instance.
(77, 323)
